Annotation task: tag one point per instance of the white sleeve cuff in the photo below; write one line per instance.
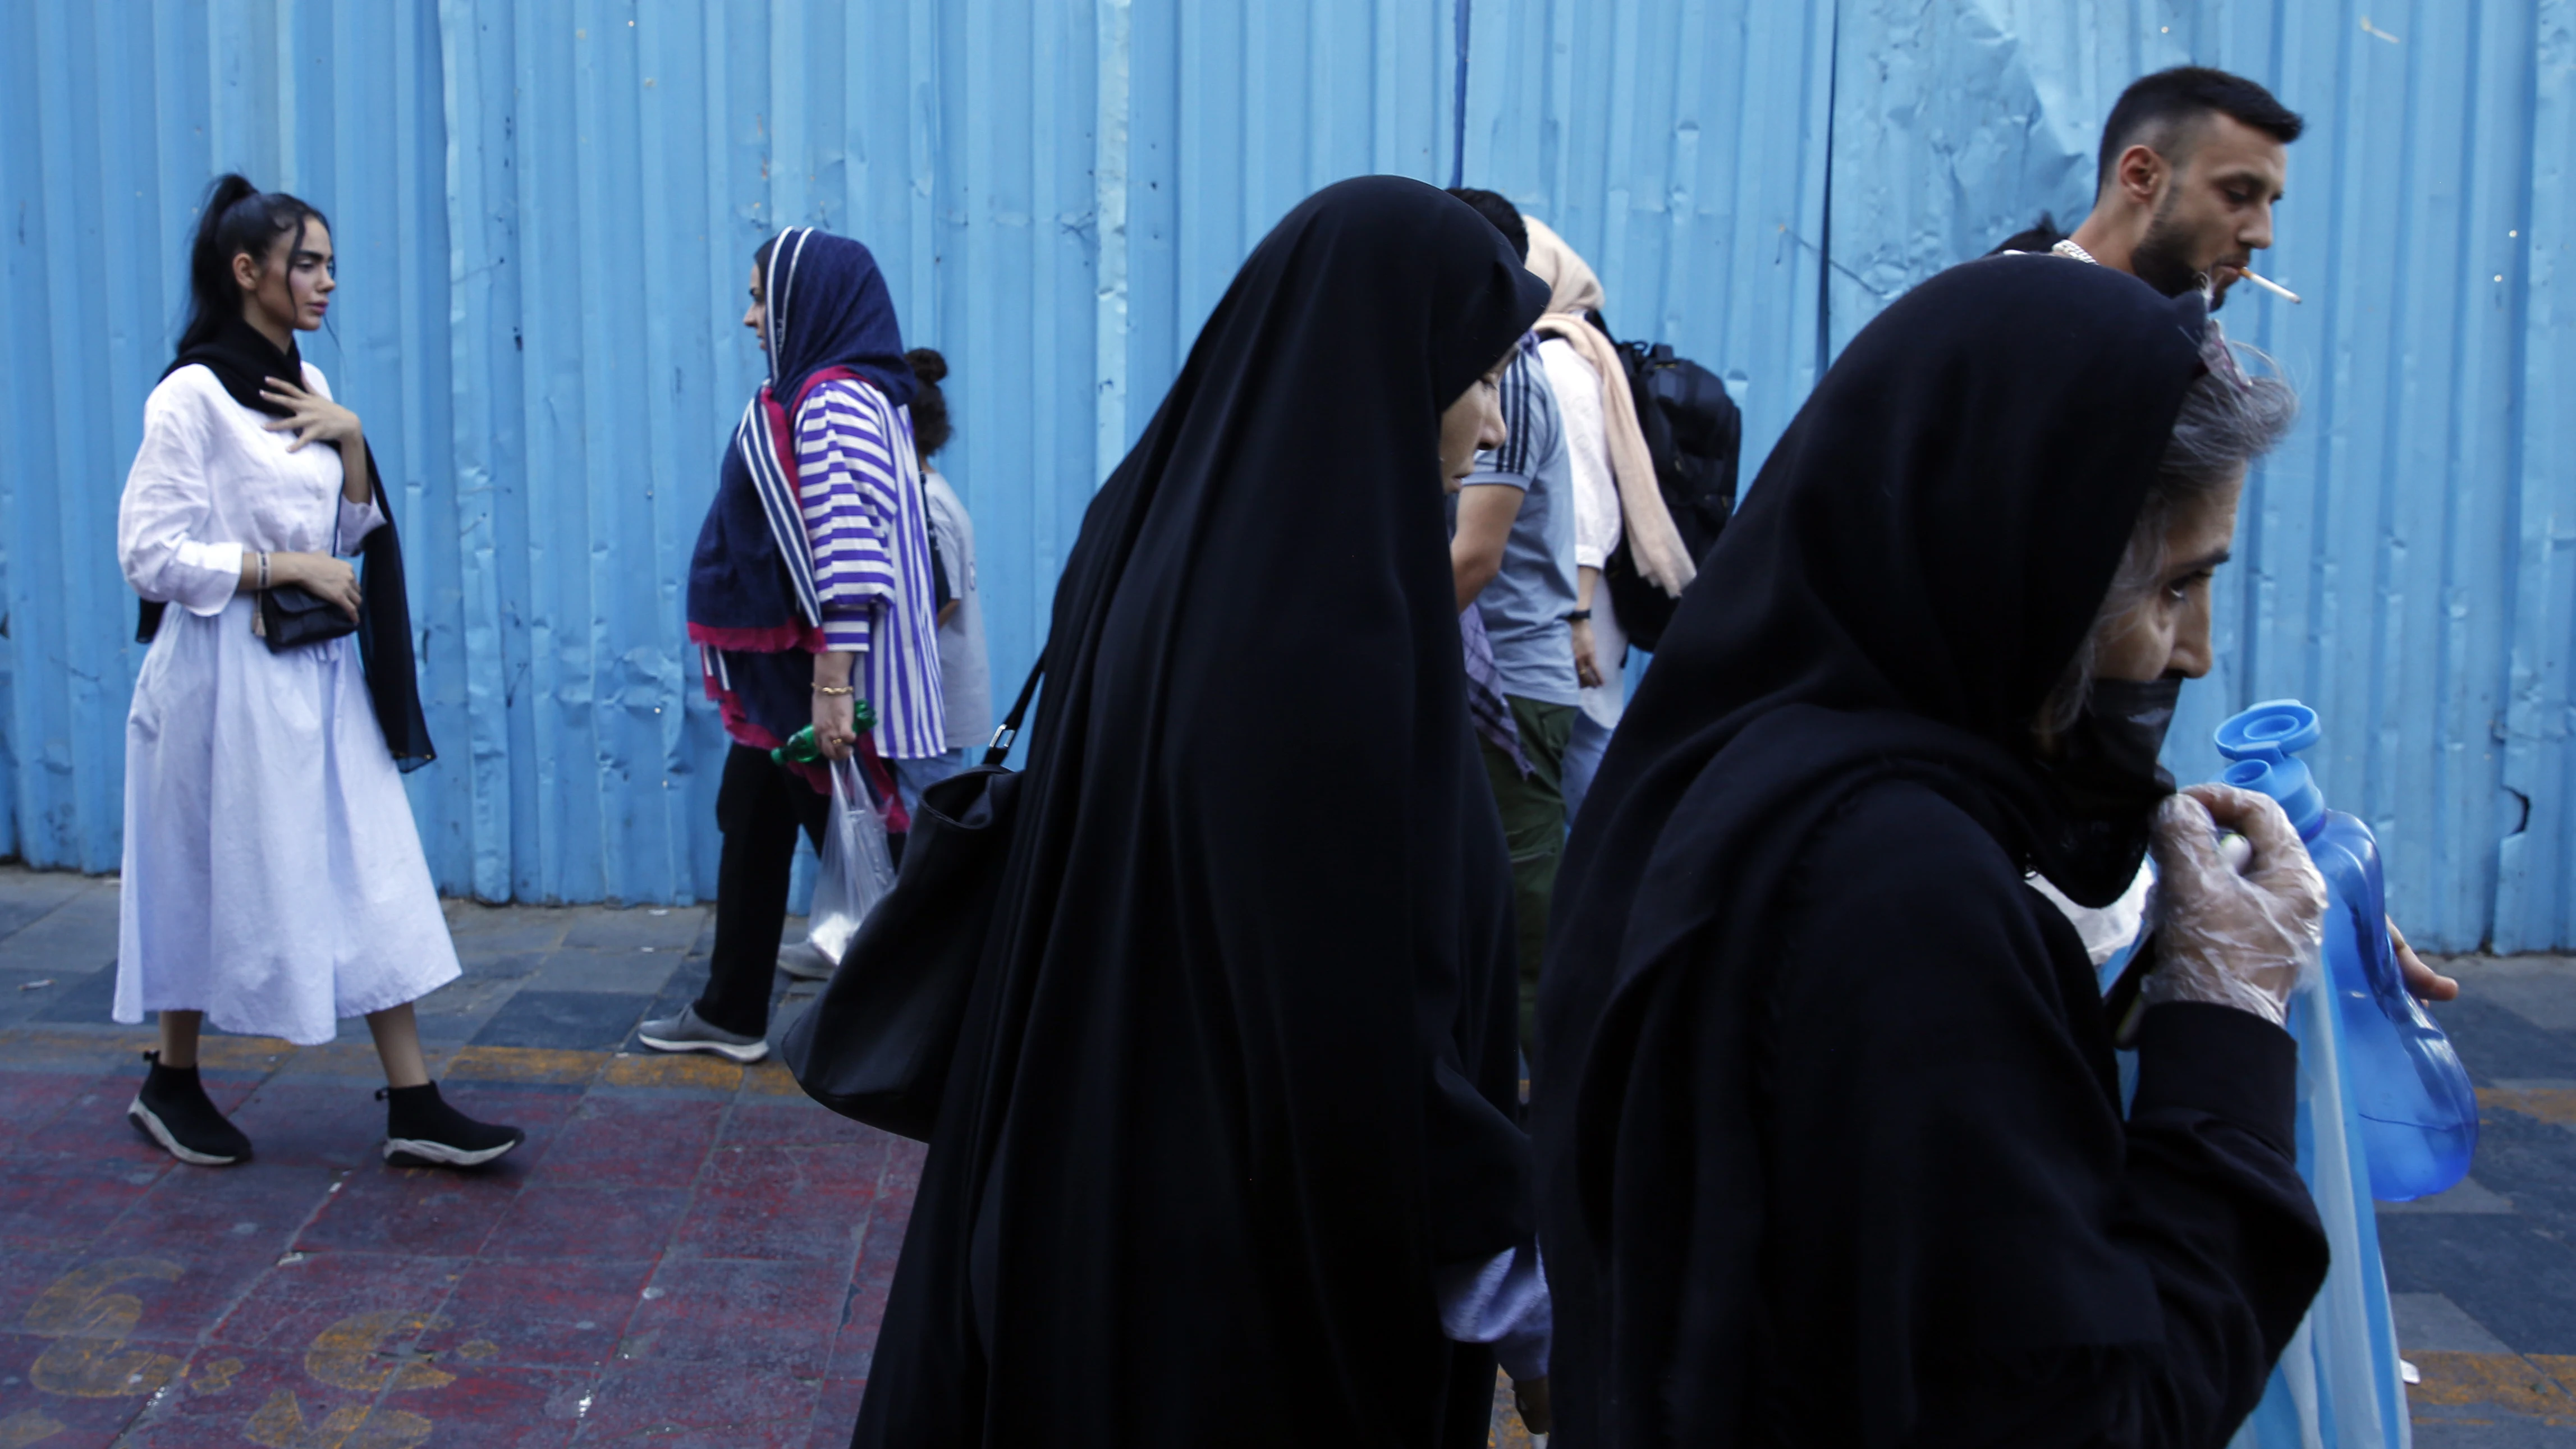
(207, 575)
(1502, 1301)
(357, 520)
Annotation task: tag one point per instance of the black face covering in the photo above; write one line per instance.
(2106, 783)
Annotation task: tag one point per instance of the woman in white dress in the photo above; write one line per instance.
(273, 880)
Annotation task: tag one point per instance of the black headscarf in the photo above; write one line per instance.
(1239, 1073)
(1917, 564)
(242, 359)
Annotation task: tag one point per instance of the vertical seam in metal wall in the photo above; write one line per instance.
(1458, 121)
(1825, 218)
(287, 177)
(1109, 203)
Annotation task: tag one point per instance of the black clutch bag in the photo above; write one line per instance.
(291, 617)
(875, 1046)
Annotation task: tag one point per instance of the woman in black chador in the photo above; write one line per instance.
(1826, 1114)
(1237, 1083)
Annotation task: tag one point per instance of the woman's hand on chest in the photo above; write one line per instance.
(312, 418)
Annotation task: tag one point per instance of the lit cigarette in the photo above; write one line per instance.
(2268, 285)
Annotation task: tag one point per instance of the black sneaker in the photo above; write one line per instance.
(173, 1110)
(421, 1130)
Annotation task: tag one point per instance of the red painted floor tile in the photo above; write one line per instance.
(552, 1314)
(436, 1212)
(807, 1203)
(668, 1406)
(295, 1305)
(29, 1101)
(589, 1222)
(92, 1123)
(24, 1277)
(498, 1408)
(836, 1413)
(191, 1292)
(236, 1396)
(313, 1124)
(56, 1421)
(798, 1123)
(776, 1317)
(872, 1277)
(631, 1141)
(54, 1205)
(222, 1230)
(261, 1203)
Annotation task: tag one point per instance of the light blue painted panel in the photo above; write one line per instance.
(547, 208)
(2402, 563)
(1681, 147)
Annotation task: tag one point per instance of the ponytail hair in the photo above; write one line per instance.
(238, 217)
(930, 430)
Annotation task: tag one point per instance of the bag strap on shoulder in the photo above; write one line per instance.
(1000, 749)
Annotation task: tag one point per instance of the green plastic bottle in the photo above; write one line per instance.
(801, 748)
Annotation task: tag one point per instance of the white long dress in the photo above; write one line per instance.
(273, 877)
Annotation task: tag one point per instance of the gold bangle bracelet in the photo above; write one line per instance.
(834, 689)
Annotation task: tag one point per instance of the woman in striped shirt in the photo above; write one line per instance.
(810, 592)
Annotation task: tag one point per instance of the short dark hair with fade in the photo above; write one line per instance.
(2154, 106)
(1505, 216)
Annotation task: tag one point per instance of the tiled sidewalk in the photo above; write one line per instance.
(2484, 1276)
(685, 1253)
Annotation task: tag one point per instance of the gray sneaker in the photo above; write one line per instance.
(805, 961)
(687, 1033)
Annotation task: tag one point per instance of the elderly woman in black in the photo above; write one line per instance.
(1831, 1139)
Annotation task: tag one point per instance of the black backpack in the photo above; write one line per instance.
(1694, 433)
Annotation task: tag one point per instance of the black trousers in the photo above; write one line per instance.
(759, 807)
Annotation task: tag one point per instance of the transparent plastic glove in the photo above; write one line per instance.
(2233, 939)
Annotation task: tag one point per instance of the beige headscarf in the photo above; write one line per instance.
(1574, 290)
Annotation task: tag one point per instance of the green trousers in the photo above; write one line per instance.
(1533, 809)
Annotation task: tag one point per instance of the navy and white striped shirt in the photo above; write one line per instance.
(867, 530)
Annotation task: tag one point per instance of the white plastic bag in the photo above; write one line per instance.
(857, 868)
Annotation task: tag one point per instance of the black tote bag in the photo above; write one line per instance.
(875, 1046)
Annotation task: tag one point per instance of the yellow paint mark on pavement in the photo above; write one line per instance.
(246, 1053)
(2497, 1380)
(216, 1377)
(1505, 1430)
(525, 1064)
(27, 1426)
(36, 1050)
(88, 1324)
(769, 1079)
(345, 1355)
(547, 1066)
(686, 1070)
(2549, 1104)
(279, 1424)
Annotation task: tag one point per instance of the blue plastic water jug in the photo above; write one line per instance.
(2419, 1115)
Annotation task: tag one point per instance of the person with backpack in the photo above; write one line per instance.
(1614, 477)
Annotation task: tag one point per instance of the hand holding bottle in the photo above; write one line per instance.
(2232, 939)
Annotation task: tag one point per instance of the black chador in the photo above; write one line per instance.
(1239, 1071)
(1828, 1126)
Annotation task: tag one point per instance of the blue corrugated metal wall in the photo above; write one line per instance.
(546, 211)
